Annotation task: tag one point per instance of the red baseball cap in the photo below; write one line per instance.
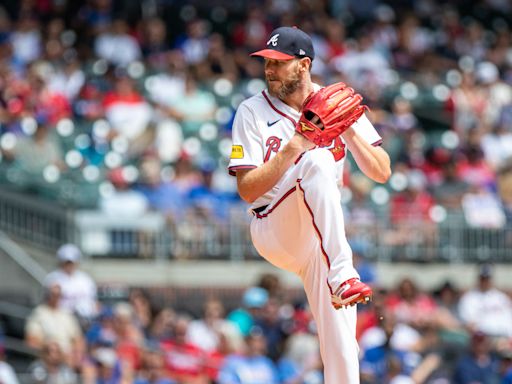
(287, 43)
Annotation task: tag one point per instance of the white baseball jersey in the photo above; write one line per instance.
(300, 225)
(264, 124)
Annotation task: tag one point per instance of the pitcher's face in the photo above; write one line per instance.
(283, 77)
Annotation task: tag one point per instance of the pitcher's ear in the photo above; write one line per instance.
(305, 64)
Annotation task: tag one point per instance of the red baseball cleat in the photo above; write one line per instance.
(351, 292)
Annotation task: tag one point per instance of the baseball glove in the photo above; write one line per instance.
(328, 113)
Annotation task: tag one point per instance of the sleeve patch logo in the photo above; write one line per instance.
(237, 152)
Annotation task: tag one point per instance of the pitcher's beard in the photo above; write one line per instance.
(288, 87)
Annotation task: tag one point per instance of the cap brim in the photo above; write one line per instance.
(272, 54)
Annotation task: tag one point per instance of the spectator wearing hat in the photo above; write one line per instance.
(78, 288)
(101, 332)
(114, 341)
(486, 308)
(254, 299)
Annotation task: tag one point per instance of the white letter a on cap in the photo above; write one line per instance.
(273, 40)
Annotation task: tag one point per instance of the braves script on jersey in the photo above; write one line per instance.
(264, 124)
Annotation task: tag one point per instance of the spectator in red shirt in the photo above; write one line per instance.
(230, 342)
(251, 32)
(43, 101)
(411, 306)
(432, 167)
(410, 212)
(153, 367)
(125, 109)
(413, 204)
(474, 170)
(184, 361)
(371, 316)
(129, 338)
(335, 39)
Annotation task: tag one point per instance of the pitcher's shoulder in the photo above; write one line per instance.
(254, 102)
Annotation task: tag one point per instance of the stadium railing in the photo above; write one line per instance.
(152, 236)
(35, 221)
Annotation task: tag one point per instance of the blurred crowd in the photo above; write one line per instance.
(127, 106)
(266, 335)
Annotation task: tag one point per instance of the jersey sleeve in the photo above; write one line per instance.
(367, 131)
(246, 152)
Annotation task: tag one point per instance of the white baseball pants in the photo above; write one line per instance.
(302, 231)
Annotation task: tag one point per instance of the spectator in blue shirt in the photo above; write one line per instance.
(162, 196)
(365, 268)
(379, 360)
(253, 300)
(479, 366)
(253, 367)
(273, 327)
(506, 365)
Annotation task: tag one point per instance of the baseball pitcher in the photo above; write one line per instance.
(289, 145)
